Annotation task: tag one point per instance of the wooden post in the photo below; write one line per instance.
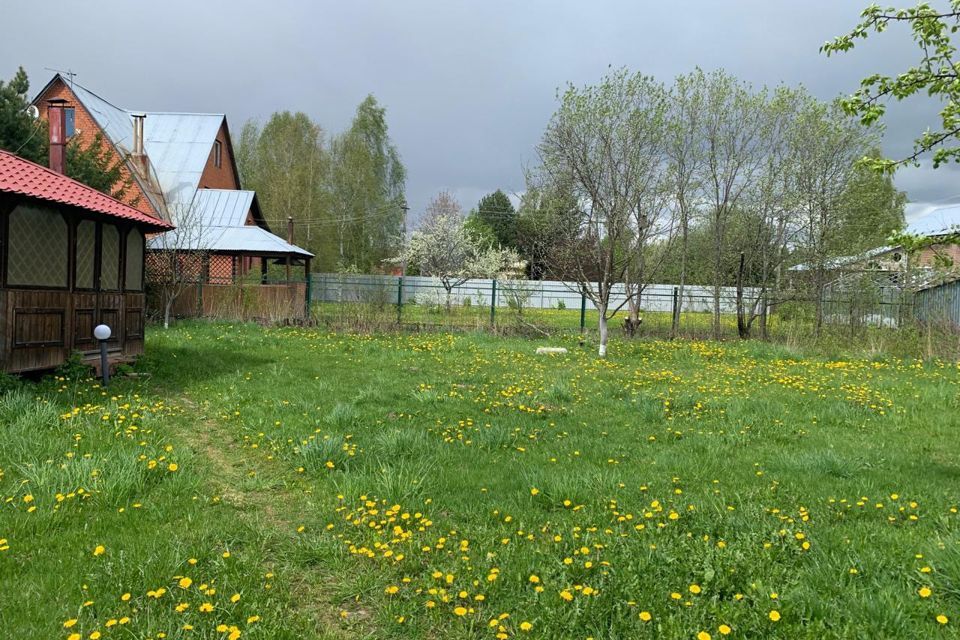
(493, 302)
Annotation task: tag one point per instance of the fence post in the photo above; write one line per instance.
(675, 316)
(399, 299)
(493, 302)
(583, 311)
(308, 296)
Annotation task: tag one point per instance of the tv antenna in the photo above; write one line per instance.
(70, 74)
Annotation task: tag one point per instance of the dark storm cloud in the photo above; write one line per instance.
(468, 86)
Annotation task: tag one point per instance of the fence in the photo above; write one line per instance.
(270, 303)
(373, 302)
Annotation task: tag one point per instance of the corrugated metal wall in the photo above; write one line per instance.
(940, 305)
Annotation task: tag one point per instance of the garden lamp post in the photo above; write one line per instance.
(102, 333)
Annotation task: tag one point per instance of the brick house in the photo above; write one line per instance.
(180, 168)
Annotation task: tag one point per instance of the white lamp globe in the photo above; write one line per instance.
(101, 332)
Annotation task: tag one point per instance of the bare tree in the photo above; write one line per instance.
(602, 147)
(178, 260)
(684, 154)
(733, 119)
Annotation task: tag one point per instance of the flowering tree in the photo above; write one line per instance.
(445, 249)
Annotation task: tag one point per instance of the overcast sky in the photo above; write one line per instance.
(468, 86)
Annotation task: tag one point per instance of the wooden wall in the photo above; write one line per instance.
(44, 327)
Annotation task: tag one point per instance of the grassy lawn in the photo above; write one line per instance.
(295, 483)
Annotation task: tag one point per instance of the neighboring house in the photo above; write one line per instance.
(70, 258)
(181, 168)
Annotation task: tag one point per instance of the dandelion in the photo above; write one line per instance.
(724, 630)
(173, 466)
(645, 616)
(525, 626)
(69, 623)
(235, 597)
(942, 619)
(460, 611)
(99, 550)
(774, 615)
(566, 595)
(695, 589)
(703, 635)
(924, 592)
(185, 583)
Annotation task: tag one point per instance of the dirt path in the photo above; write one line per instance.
(265, 494)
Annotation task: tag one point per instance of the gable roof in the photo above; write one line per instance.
(177, 144)
(26, 178)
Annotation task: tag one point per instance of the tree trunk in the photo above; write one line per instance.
(675, 322)
(717, 279)
(743, 327)
(167, 307)
(603, 331)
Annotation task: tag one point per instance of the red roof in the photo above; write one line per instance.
(29, 179)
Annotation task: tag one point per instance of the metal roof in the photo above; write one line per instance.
(177, 147)
(221, 207)
(26, 178)
(228, 239)
(177, 144)
(937, 222)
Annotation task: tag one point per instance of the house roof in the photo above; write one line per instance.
(228, 239)
(843, 261)
(222, 207)
(26, 178)
(177, 144)
(936, 222)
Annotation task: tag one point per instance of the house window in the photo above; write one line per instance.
(217, 153)
(134, 272)
(37, 248)
(109, 258)
(86, 254)
(71, 118)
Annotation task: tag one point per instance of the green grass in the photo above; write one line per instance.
(459, 486)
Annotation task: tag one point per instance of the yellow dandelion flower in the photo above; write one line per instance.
(774, 615)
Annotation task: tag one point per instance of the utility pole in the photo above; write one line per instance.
(403, 264)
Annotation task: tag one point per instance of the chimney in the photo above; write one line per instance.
(57, 123)
(138, 155)
(290, 229)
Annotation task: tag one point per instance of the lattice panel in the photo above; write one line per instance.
(37, 248)
(222, 269)
(86, 253)
(109, 258)
(134, 266)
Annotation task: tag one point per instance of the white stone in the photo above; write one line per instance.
(546, 350)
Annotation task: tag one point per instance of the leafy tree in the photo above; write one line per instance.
(871, 210)
(19, 133)
(498, 213)
(366, 184)
(97, 166)
(937, 74)
(285, 162)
